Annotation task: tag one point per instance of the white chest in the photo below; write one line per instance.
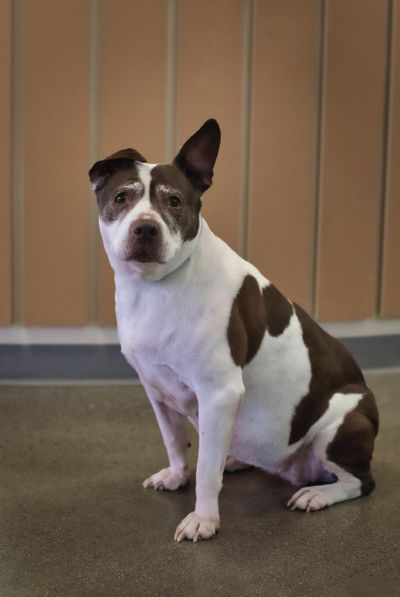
(153, 347)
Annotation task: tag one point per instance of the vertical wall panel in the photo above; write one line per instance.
(5, 162)
(210, 54)
(132, 95)
(284, 138)
(390, 299)
(55, 158)
(351, 163)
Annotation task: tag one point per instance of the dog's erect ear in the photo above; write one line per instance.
(102, 170)
(197, 156)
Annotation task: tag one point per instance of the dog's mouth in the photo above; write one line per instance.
(144, 255)
(142, 258)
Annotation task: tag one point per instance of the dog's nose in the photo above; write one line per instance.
(145, 231)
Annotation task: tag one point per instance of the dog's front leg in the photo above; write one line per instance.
(171, 424)
(217, 414)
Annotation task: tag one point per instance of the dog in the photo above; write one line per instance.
(213, 341)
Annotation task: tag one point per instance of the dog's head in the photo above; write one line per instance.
(149, 213)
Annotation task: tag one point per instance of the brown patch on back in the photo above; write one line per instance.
(253, 312)
(332, 368)
(278, 310)
(247, 324)
(353, 443)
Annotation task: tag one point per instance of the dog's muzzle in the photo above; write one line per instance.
(144, 242)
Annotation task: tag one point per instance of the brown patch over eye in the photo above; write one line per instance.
(168, 187)
(119, 193)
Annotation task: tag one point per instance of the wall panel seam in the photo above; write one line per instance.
(93, 237)
(386, 117)
(171, 79)
(318, 157)
(245, 153)
(7, 140)
(17, 185)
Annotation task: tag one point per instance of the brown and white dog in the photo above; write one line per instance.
(214, 342)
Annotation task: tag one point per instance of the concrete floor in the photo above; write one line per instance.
(75, 520)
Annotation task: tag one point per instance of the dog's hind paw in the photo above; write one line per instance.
(168, 479)
(309, 498)
(194, 527)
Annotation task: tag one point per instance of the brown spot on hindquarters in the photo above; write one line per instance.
(353, 444)
(253, 312)
(332, 368)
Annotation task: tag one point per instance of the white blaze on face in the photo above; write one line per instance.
(171, 242)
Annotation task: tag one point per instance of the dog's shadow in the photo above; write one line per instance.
(247, 493)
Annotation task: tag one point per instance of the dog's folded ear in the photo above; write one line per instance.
(197, 156)
(102, 170)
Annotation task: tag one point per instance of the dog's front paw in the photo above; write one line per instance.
(195, 527)
(167, 478)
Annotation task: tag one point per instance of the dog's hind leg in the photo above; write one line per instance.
(345, 445)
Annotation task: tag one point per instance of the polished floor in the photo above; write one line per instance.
(76, 521)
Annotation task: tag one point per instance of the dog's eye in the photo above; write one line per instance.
(121, 198)
(174, 201)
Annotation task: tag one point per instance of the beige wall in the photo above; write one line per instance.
(307, 184)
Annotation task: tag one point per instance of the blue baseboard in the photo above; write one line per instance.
(63, 362)
(44, 362)
(375, 352)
